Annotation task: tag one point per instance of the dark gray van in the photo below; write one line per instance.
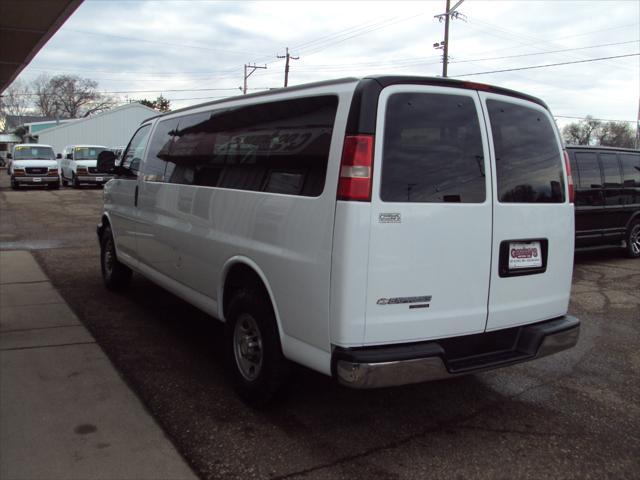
(607, 197)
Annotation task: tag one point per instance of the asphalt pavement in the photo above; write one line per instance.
(572, 415)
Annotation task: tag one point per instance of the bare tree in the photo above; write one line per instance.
(616, 134)
(15, 100)
(583, 132)
(69, 96)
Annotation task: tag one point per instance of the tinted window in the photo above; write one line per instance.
(163, 136)
(630, 169)
(611, 169)
(279, 147)
(133, 154)
(432, 150)
(528, 158)
(589, 170)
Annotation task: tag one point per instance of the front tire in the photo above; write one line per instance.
(633, 239)
(253, 354)
(74, 181)
(116, 276)
(14, 184)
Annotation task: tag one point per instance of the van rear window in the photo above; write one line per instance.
(432, 150)
(528, 158)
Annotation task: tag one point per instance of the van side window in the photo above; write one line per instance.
(432, 150)
(589, 170)
(630, 169)
(163, 136)
(133, 154)
(278, 147)
(528, 158)
(611, 169)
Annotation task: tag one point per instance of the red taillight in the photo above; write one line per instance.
(569, 176)
(356, 168)
(477, 86)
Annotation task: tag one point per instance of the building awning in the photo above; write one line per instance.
(25, 27)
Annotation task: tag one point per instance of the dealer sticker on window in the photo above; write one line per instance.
(524, 255)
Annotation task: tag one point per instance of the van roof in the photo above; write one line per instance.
(32, 145)
(367, 84)
(601, 147)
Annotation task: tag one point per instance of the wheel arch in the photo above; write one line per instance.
(239, 272)
(634, 217)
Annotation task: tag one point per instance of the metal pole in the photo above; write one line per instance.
(445, 55)
(244, 89)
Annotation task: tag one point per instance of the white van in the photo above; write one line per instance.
(33, 164)
(78, 165)
(383, 231)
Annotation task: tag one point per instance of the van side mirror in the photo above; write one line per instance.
(69, 156)
(59, 155)
(9, 156)
(106, 161)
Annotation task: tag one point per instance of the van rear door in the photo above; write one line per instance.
(430, 237)
(533, 220)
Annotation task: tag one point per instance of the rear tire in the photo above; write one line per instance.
(633, 239)
(116, 276)
(253, 354)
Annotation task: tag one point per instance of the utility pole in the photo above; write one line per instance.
(444, 45)
(286, 65)
(253, 68)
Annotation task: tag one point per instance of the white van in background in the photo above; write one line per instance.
(33, 164)
(384, 230)
(78, 165)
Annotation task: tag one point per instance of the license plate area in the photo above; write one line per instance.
(99, 179)
(523, 257)
(37, 180)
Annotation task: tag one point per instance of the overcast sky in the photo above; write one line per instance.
(186, 50)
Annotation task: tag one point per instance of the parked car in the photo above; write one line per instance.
(79, 165)
(607, 182)
(384, 231)
(33, 164)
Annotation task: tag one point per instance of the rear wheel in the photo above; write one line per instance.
(253, 353)
(116, 276)
(633, 239)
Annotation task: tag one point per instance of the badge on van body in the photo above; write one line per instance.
(389, 218)
(402, 300)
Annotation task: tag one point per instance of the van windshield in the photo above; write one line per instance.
(87, 153)
(33, 153)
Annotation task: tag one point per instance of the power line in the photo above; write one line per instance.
(170, 44)
(544, 52)
(549, 65)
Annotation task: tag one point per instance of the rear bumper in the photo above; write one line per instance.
(373, 367)
(35, 180)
